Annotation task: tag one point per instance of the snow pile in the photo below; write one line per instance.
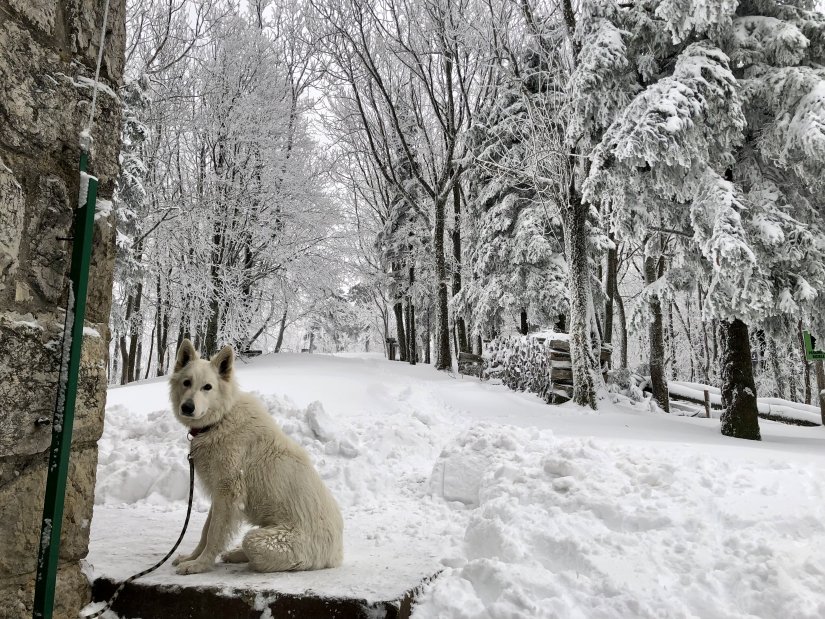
(142, 459)
(582, 528)
(142, 455)
(370, 461)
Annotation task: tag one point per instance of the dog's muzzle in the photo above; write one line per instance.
(187, 409)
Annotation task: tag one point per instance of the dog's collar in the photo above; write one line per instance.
(193, 432)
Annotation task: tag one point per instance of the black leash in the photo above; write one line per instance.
(162, 561)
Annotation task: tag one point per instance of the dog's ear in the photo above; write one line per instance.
(224, 362)
(186, 354)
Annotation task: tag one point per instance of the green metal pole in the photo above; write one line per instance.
(63, 421)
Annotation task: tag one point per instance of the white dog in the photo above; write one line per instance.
(253, 472)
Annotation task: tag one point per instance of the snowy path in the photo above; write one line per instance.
(530, 510)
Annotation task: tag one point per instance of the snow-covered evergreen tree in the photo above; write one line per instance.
(514, 242)
(683, 156)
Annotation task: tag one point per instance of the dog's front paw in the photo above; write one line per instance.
(195, 567)
(181, 558)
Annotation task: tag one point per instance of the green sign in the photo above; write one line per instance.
(811, 354)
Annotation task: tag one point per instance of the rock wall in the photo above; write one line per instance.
(48, 51)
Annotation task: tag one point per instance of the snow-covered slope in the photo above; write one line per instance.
(529, 510)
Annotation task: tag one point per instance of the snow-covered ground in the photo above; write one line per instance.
(527, 510)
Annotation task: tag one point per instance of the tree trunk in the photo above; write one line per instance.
(399, 331)
(115, 357)
(806, 367)
(151, 350)
(443, 360)
(705, 343)
(124, 348)
(407, 333)
(427, 351)
(162, 332)
(781, 392)
(584, 392)
(210, 342)
(281, 328)
(610, 289)
(459, 321)
(412, 347)
(134, 338)
(740, 418)
(210, 338)
(622, 323)
(124, 361)
(715, 332)
(656, 334)
(523, 326)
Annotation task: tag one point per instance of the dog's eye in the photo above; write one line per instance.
(187, 383)
(207, 387)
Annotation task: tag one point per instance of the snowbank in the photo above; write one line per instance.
(580, 528)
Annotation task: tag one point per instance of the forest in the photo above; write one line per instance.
(642, 177)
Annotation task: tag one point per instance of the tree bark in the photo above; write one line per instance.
(622, 323)
(151, 350)
(210, 341)
(412, 348)
(280, 341)
(399, 331)
(459, 321)
(124, 348)
(610, 289)
(584, 392)
(656, 336)
(740, 418)
(806, 367)
(706, 344)
(427, 350)
(124, 363)
(781, 392)
(443, 360)
(162, 333)
(523, 327)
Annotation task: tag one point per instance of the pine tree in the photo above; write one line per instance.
(515, 256)
(684, 143)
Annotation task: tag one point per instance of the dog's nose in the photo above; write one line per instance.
(187, 408)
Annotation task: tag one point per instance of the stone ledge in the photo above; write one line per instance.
(378, 579)
(152, 601)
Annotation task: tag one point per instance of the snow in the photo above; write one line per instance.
(527, 510)
(86, 82)
(83, 196)
(768, 406)
(103, 209)
(26, 320)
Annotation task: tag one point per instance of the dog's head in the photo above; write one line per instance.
(202, 391)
